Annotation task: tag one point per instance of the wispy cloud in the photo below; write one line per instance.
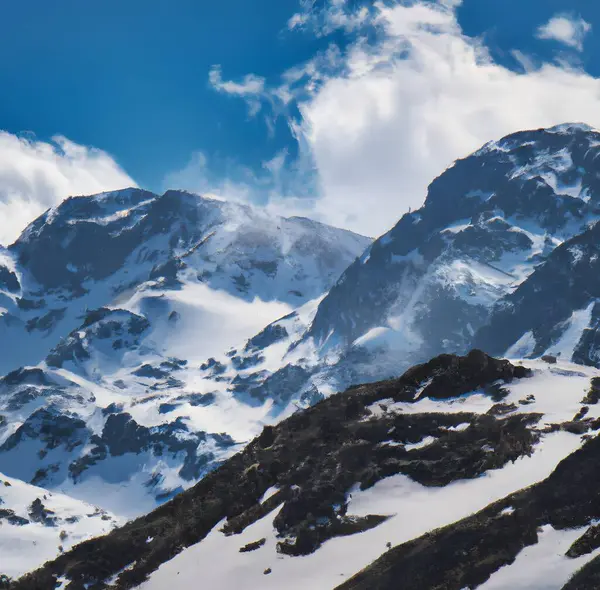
(279, 176)
(251, 88)
(377, 120)
(565, 28)
(336, 15)
(36, 175)
(249, 85)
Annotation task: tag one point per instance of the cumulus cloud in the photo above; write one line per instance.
(36, 175)
(565, 28)
(378, 121)
(424, 97)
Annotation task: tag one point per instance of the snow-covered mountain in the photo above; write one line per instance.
(110, 304)
(466, 472)
(148, 313)
(167, 253)
(152, 337)
(500, 235)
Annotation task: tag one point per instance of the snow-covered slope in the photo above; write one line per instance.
(37, 525)
(112, 303)
(501, 456)
(414, 509)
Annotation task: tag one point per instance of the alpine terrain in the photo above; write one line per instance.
(170, 367)
(110, 307)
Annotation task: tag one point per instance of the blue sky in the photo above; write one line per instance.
(134, 79)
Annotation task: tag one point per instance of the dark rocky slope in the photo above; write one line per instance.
(566, 284)
(314, 458)
(466, 553)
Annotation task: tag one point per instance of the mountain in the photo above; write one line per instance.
(154, 336)
(466, 472)
(169, 329)
(138, 250)
(111, 303)
(480, 264)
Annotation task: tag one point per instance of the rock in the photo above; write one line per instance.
(12, 518)
(151, 372)
(593, 395)
(581, 414)
(253, 546)
(270, 335)
(39, 513)
(584, 545)
(267, 437)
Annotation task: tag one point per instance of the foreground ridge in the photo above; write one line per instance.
(315, 480)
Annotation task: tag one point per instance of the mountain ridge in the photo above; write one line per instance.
(312, 480)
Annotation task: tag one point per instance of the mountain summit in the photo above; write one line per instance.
(111, 303)
(500, 231)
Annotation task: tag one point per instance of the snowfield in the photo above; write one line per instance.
(27, 541)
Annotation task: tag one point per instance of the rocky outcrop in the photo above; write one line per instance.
(314, 458)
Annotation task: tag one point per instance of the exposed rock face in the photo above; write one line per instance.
(114, 329)
(9, 280)
(544, 305)
(315, 457)
(476, 213)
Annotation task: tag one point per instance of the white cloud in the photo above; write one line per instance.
(279, 176)
(36, 175)
(336, 15)
(565, 28)
(251, 88)
(379, 121)
(250, 84)
(298, 20)
(427, 96)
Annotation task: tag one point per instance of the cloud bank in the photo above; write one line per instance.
(36, 175)
(379, 120)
